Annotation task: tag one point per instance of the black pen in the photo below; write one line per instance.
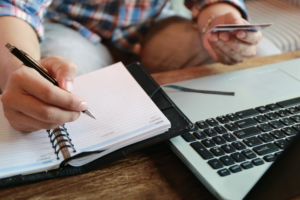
(30, 62)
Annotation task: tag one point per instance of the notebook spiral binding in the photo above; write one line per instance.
(60, 140)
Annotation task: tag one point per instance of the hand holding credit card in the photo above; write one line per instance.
(236, 27)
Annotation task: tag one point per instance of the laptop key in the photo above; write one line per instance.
(210, 132)
(247, 113)
(238, 145)
(188, 137)
(235, 169)
(224, 172)
(226, 160)
(247, 132)
(273, 106)
(231, 127)
(222, 119)
(215, 164)
(220, 129)
(199, 135)
(281, 143)
(217, 151)
(282, 113)
(265, 127)
(212, 122)
(249, 154)
(266, 137)
(277, 134)
(245, 123)
(252, 141)
(201, 150)
(246, 165)
(228, 148)
(258, 161)
(232, 117)
(208, 143)
(265, 149)
(297, 127)
(262, 109)
(269, 158)
(238, 157)
(289, 131)
(289, 103)
(260, 119)
(229, 137)
(287, 121)
(296, 118)
(293, 110)
(272, 116)
(202, 125)
(219, 140)
(276, 124)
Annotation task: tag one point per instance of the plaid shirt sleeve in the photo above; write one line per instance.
(121, 22)
(239, 4)
(31, 11)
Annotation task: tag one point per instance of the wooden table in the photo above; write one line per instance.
(152, 173)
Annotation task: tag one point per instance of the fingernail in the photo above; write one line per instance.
(69, 86)
(241, 34)
(82, 106)
(224, 37)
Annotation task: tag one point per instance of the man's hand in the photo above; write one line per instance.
(31, 102)
(231, 47)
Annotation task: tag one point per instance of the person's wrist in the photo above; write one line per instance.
(207, 24)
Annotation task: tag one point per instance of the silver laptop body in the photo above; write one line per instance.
(253, 87)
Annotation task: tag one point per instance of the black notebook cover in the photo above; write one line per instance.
(179, 125)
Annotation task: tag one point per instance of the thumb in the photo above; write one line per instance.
(62, 70)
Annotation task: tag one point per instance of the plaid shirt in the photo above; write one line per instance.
(121, 21)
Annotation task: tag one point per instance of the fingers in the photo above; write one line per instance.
(38, 109)
(244, 49)
(63, 70)
(230, 49)
(251, 37)
(21, 122)
(31, 102)
(219, 49)
(34, 84)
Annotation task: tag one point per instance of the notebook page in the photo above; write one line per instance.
(122, 108)
(22, 153)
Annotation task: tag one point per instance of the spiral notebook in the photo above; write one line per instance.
(127, 120)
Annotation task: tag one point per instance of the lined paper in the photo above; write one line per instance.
(122, 108)
(24, 152)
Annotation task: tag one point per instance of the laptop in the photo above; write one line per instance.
(244, 146)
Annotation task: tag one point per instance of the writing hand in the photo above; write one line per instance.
(30, 102)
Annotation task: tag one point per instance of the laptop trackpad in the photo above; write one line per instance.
(267, 83)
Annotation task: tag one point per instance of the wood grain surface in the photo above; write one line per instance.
(152, 173)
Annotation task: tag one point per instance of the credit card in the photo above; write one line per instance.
(235, 27)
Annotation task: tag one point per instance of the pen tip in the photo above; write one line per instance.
(88, 112)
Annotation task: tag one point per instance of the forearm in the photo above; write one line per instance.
(20, 34)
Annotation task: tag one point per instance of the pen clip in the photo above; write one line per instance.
(35, 62)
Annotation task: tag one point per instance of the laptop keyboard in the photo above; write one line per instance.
(242, 140)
